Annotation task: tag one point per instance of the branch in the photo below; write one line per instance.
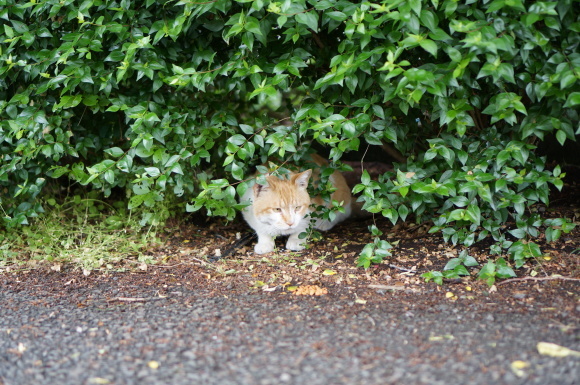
(537, 279)
(130, 299)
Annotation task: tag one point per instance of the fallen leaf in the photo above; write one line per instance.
(518, 368)
(268, 288)
(310, 290)
(153, 364)
(518, 364)
(328, 272)
(360, 301)
(292, 288)
(55, 267)
(554, 350)
(99, 381)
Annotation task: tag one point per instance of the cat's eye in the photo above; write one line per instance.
(297, 208)
(278, 209)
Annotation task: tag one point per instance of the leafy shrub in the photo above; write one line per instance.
(167, 99)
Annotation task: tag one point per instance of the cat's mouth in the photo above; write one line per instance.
(286, 226)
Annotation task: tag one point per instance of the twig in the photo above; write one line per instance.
(247, 238)
(168, 266)
(403, 268)
(131, 299)
(537, 279)
(387, 287)
(204, 263)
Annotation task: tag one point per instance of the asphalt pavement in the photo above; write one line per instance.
(109, 335)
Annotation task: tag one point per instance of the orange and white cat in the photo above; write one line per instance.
(283, 207)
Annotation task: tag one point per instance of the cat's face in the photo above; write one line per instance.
(283, 203)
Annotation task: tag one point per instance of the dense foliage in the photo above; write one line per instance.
(165, 99)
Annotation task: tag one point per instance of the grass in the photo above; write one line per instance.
(83, 232)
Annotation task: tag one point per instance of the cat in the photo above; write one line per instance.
(282, 207)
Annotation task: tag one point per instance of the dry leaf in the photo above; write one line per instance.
(554, 350)
(56, 267)
(518, 366)
(328, 272)
(99, 381)
(268, 288)
(310, 290)
(361, 301)
(292, 288)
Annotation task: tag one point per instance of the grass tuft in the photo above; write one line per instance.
(83, 232)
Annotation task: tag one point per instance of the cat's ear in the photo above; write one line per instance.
(301, 180)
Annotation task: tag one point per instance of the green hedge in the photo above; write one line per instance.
(164, 99)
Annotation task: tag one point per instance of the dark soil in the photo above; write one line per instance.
(212, 313)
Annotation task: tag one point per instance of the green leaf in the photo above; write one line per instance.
(246, 129)
(573, 99)
(115, 152)
(237, 140)
(237, 171)
(488, 273)
(503, 270)
(452, 264)
(436, 276)
(429, 46)
(68, 101)
(403, 212)
(310, 19)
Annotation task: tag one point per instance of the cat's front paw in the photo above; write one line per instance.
(263, 248)
(295, 244)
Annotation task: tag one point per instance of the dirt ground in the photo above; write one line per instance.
(206, 254)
